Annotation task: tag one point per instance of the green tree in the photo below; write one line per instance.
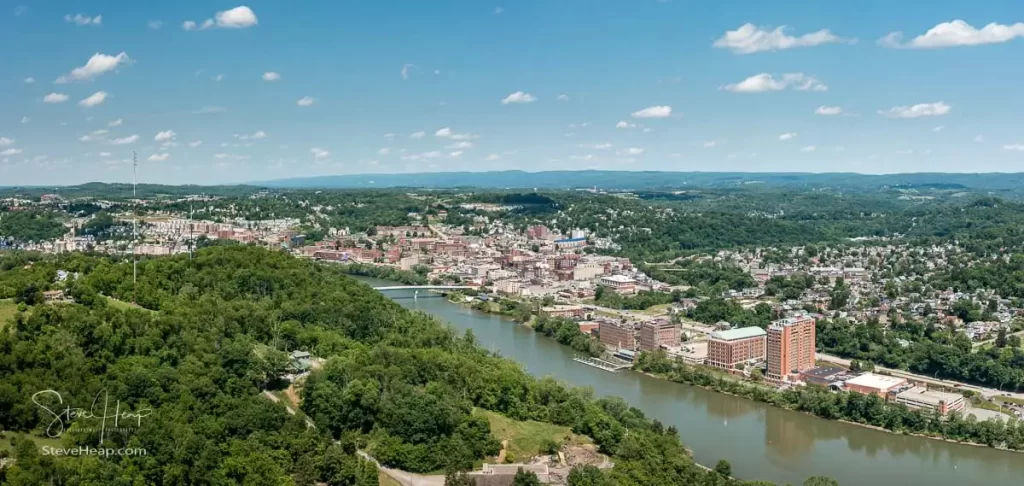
(724, 468)
(458, 479)
(820, 481)
(587, 476)
(525, 478)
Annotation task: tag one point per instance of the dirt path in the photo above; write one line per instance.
(405, 478)
(501, 455)
(293, 396)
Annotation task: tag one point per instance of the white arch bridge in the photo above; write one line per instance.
(423, 287)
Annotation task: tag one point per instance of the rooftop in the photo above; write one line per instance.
(880, 382)
(922, 394)
(741, 333)
(823, 371)
(618, 279)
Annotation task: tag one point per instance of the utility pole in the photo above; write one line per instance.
(191, 213)
(135, 218)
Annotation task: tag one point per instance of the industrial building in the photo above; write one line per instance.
(920, 397)
(616, 334)
(655, 334)
(872, 384)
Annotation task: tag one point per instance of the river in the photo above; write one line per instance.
(759, 441)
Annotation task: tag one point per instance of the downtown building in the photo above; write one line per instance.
(790, 348)
(655, 334)
(745, 345)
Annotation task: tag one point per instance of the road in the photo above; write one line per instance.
(983, 391)
(987, 341)
(405, 478)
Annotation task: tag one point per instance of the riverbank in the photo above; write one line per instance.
(865, 411)
(384, 273)
(758, 439)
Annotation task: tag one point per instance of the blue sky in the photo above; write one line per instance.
(418, 86)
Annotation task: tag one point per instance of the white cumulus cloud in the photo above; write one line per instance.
(4, 141)
(624, 124)
(653, 112)
(55, 98)
(319, 153)
(165, 136)
(97, 65)
(115, 123)
(631, 151)
(956, 33)
(460, 145)
(125, 141)
(443, 132)
(765, 82)
(1017, 147)
(305, 101)
(80, 19)
(236, 18)
(30, 80)
(11, 151)
(159, 157)
(748, 39)
(518, 97)
(828, 110)
(809, 148)
(563, 97)
(195, 143)
(417, 135)
(787, 136)
(405, 70)
(271, 76)
(94, 99)
(915, 111)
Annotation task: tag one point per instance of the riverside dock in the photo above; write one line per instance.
(600, 363)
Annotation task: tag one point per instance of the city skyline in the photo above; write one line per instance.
(225, 92)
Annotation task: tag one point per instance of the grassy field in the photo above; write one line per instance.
(122, 305)
(7, 310)
(5, 443)
(656, 310)
(385, 480)
(1015, 401)
(525, 438)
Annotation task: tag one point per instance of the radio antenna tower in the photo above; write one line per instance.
(191, 240)
(135, 218)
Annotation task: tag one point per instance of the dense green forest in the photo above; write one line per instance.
(30, 225)
(212, 334)
(933, 350)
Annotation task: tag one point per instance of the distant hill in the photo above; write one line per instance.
(610, 180)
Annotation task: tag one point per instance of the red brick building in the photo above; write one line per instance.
(655, 334)
(790, 347)
(726, 349)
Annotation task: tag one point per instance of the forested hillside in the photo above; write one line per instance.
(397, 384)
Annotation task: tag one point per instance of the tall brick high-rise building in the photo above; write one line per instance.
(790, 347)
